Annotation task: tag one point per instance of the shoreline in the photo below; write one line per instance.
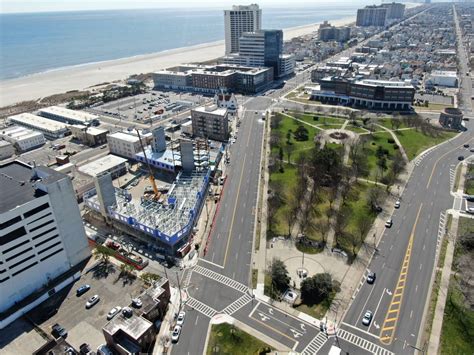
(84, 76)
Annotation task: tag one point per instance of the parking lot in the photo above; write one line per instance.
(150, 107)
(85, 325)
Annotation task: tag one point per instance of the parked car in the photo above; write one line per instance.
(470, 210)
(180, 319)
(82, 289)
(127, 312)
(58, 332)
(397, 204)
(371, 278)
(92, 301)
(176, 333)
(388, 223)
(113, 312)
(461, 158)
(367, 318)
(84, 348)
(137, 303)
(466, 145)
(104, 350)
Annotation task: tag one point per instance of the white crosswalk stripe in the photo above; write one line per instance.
(221, 278)
(201, 307)
(452, 177)
(187, 278)
(315, 344)
(237, 304)
(362, 343)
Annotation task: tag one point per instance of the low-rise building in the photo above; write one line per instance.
(51, 129)
(210, 122)
(134, 330)
(112, 164)
(90, 136)
(452, 118)
(68, 116)
(366, 93)
(6, 150)
(23, 139)
(123, 144)
(226, 100)
(443, 78)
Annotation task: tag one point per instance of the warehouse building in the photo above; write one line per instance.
(110, 164)
(51, 129)
(42, 238)
(68, 116)
(23, 139)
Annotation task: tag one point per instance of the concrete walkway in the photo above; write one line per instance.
(395, 138)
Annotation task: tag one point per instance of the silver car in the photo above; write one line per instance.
(113, 312)
(92, 301)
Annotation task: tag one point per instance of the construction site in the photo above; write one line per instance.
(161, 209)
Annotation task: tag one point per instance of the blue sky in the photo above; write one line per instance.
(7, 6)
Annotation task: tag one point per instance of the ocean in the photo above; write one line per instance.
(38, 42)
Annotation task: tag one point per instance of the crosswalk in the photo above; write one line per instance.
(201, 307)
(362, 343)
(237, 304)
(315, 344)
(187, 277)
(221, 278)
(441, 228)
(452, 177)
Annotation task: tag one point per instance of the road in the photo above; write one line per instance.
(406, 254)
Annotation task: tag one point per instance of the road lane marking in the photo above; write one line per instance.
(210, 262)
(275, 330)
(254, 308)
(362, 343)
(235, 209)
(220, 278)
(367, 300)
(389, 325)
(438, 160)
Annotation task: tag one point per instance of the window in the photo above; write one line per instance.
(47, 240)
(36, 210)
(25, 268)
(18, 254)
(52, 254)
(10, 222)
(15, 234)
(48, 248)
(15, 246)
(42, 225)
(37, 219)
(43, 233)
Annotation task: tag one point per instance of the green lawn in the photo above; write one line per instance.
(355, 129)
(356, 207)
(374, 141)
(387, 122)
(288, 124)
(457, 336)
(317, 311)
(228, 339)
(414, 142)
(469, 184)
(323, 120)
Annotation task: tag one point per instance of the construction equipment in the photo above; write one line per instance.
(156, 193)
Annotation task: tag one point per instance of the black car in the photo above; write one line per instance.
(371, 278)
(83, 289)
(58, 331)
(460, 158)
(466, 145)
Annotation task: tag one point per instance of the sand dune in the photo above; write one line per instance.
(83, 76)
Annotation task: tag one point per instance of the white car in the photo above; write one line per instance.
(470, 210)
(367, 318)
(397, 204)
(180, 319)
(113, 312)
(388, 223)
(92, 301)
(176, 333)
(137, 303)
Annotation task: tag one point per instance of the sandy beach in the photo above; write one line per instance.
(80, 77)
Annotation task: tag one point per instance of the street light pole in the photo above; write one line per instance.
(179, 289)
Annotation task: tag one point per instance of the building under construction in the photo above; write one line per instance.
(163, 218)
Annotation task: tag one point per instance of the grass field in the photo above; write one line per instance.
(349, 127)
(469, 184)
(228, 339)
(414, 142)
(317, 311)
(374, 141)
(288, 124)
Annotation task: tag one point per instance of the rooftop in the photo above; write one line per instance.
(214, 110)
(16, 186)
(38, 121)
(101, 165)
(94, 131)
(125, 137)
(165, 157)
(69, 114)
(385, 83)
(134, 326)
(18, 133)
(445, 73)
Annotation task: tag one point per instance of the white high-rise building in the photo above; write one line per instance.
(240, 19)
(42, 239)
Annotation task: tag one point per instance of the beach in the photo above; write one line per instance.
(84, 76)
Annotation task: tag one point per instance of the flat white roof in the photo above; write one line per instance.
(4, 143)
(444, 73)
(18, 133)
(39, 122)
(124, 137)
(102, 165)
(69, 114)
(386, 83)
(90, 130)
(214, 110)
